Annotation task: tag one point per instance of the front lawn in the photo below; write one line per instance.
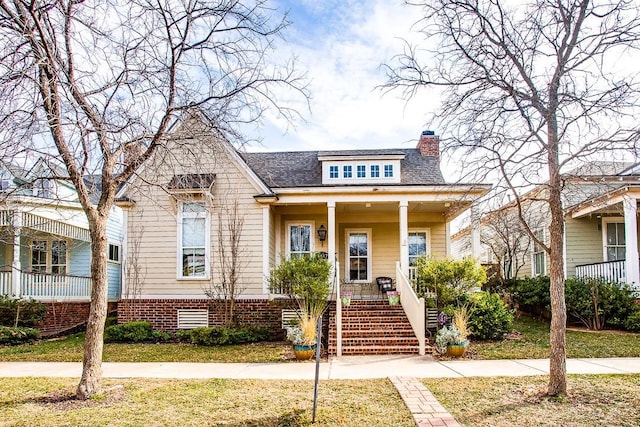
(592, 400)
(70, 349)
(154, 402)
(533, 343)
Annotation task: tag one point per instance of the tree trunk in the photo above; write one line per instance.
(557, 336)
(91, 380)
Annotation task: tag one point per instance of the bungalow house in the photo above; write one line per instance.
(600, 201)
(370, 212)
(45, 247)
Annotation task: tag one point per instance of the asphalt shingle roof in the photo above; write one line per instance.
(303, 169)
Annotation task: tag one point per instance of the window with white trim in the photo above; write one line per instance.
(539, 255)
(194, 240)
(361, 171)
(114, 253)
(358, 256)
(347, 171)
(615, 241)
(49, 256)
(300, 241)
(334, 172)
(375, 171)
(388, 171)
(418, 245)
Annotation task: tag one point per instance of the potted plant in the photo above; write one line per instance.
(453, 339)
(394, 297)
(306, 280)
(345, 298)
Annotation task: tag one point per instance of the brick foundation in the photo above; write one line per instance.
(163, 313)
(64, 316)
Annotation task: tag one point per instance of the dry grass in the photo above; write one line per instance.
(46, 402)
(593, 400)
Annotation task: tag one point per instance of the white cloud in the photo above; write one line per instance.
(342, 54)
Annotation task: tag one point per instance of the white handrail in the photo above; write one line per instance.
(5, 282)
(338, 311)
(413, 307)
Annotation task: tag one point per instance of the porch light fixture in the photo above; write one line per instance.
(322, 233)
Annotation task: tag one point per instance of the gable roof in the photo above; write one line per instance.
(304, 169)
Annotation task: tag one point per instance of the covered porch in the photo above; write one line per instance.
(617, 216)
(36, 249)
(367, 235)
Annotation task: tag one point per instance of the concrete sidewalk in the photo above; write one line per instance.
(348, 367)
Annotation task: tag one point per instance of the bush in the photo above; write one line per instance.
(20, 335)
(597, 303)
(450, 279)
(137, 331)
(531, 294)
(220, 335)
(633, 322)
(489, 318)
(28, 312)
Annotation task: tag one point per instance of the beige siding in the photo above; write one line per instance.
(154, 220)
(584, 243)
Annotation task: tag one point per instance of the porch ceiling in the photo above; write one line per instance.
(608, 203)
(379, 208)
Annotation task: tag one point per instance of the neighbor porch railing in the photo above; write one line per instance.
(413, 307)
(614, 271)
(46, 287)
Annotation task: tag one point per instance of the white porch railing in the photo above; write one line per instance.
(5, 282)
(413, 307)
(336, 287)
(613, 271)
(47, 287)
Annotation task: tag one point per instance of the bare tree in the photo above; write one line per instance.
(225, 284)
(86, 81)
(529, 89)
(135, 272)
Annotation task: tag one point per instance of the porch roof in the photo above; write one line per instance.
(604, 201)
(53, 223)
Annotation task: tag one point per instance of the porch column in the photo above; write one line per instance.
(16, 265)
(447, 238)
(404, 237)
(475, 233)
(266, 245)
(632, 265)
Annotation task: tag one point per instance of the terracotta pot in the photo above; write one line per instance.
(304, 352)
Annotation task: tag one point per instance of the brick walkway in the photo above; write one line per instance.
(424, 407)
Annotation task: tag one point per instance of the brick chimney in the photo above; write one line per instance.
(429, 145)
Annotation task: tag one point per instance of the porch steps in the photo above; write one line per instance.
(373, 327)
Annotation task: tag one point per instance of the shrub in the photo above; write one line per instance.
(450, 279)
(220, 335)
(27, 312)
(597, 303)
(531, 294)
(17, 335)
(489, 319)
(633, 322)
(137, 331)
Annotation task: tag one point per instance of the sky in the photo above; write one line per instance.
(341, 45)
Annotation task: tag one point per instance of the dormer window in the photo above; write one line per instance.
(388, 171)
(358, 169)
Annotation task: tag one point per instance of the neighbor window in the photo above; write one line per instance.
(49, 256)
(615, 247)
(114, 253)
(194, 240)
(539, 255)
(300, 242)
